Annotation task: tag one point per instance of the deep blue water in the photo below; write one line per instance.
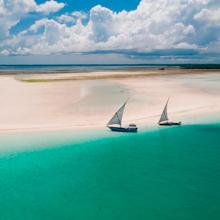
(88, 67)
(91, 67)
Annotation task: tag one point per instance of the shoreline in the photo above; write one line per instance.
(23, 141)
(34, 77)
(148, 123)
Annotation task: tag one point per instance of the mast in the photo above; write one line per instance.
(117, 117)
(164, 115)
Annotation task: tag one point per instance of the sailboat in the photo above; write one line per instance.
(115, 123)
(164, 120)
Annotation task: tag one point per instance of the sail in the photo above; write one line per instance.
(164, 115)
(117, 118)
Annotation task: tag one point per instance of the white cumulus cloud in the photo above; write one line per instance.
(153, 25)
(66, 18)
(49, 6)
(12, 11)
(209, 16)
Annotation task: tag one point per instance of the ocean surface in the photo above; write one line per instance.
(165, 174)
(96, 67)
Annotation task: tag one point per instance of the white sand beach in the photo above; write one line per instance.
(88, 100)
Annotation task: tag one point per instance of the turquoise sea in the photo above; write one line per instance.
(165, 174)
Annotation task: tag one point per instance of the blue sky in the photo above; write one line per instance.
(86, 5)
(77, 5)
(103, 31)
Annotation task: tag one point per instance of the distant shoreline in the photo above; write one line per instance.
(20, 69)
(36, 77)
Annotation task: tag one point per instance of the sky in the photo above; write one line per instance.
(103, 31)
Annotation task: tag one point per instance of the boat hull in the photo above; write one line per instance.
(168, 123)
(121, 129)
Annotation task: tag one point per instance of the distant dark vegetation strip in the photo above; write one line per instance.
(200, 66)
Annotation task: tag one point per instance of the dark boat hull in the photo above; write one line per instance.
(121, 129)
(170, 123)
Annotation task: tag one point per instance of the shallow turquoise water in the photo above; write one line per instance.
(171, 173)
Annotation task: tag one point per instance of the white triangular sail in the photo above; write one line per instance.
(164, 115)
(117, 118)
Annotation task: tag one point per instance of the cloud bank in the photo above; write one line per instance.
(155, 28)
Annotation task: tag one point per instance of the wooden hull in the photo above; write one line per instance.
(121, 129)
(169, 123)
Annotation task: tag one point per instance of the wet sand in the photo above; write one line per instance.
(88, 100)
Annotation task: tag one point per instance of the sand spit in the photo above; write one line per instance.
(32, 77)
(89, 103)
